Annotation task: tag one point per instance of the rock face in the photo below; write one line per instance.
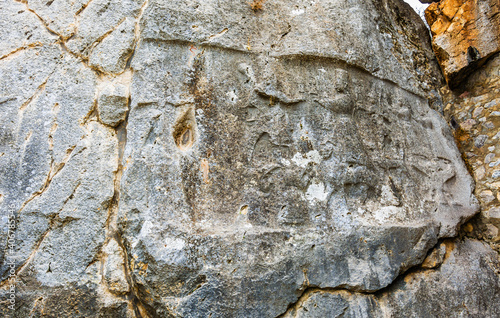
(465, 34)
(474, 111)
(450, 291)
(227, 159)
(473, 105)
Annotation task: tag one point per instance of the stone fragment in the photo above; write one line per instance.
(113, 103)
(477, 112)
(491, 231)
(435, 258)
(487, 196)
(480, 173)
(114, 268)
(491, 103)
(494, 164)
(493, 213)
(480, 140)
(468, 124)
(489, 158)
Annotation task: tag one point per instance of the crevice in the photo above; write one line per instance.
(35, 306)
(77, 13)
(92, 114)
(140, 309)
(417, 269)
(37, 93)
(69, 197)
(475, 228)
(97, 41)
(82, 59)
(22, 48)
(53, 172)
(54, 222)
(62, 42)
(202, 45)
(30, 257)
(211, 37)
(45, 24)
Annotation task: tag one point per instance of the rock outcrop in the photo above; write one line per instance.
(230, 159)
(455, 289)
(472, 105)
(466, 33)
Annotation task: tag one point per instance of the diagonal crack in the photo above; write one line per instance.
(54, 222)
(62, 41)
(54, 171)
(37, 93)
(97, 41)
(77, 13)
(21, 48)
(45, 24)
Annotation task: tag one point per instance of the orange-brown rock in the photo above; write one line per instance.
(465, 34)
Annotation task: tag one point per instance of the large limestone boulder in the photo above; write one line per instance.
(219, 158)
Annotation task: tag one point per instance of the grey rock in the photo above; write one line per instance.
(450, 291)
(491, 103)
(113, 101)
(98, 21)
(114, 272)
(185, 158)
(480, 141)
(20, 29)
(495, 174)
(112, 54)
(60, 17)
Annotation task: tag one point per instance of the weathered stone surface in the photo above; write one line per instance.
(465, 34)
(112, 54)
(20, 29)
(230, 148)
(113, 99)
(466, 285)
(196, 158)
(472, 111)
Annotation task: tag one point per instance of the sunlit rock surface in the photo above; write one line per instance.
(465, 34)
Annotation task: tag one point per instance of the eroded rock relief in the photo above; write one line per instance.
(194, 158)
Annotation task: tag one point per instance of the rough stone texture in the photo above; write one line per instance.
(113, 99)
(474, 112)
(465, 34)
(456, 289)
(224, 158)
